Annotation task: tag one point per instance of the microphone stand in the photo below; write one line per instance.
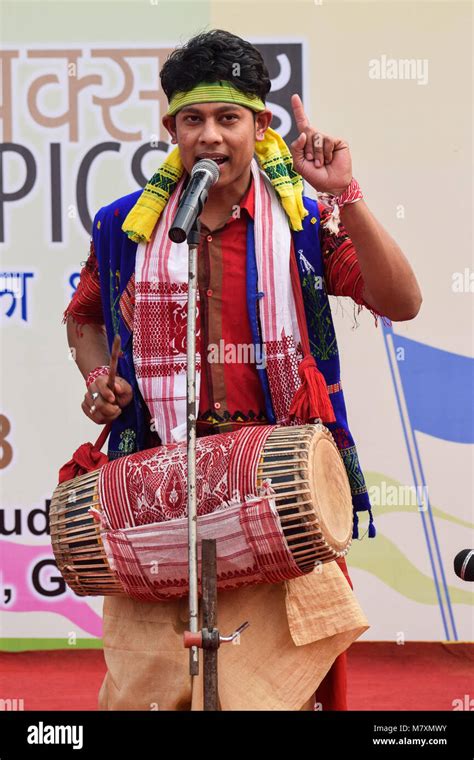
(208, 638)
(193, 242)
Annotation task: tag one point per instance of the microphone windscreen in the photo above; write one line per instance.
(464, 565)
(208, 165)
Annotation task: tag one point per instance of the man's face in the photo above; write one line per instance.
(224, 132)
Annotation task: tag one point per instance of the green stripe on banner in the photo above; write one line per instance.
(28, 645)
(391, 566)
(391, 495)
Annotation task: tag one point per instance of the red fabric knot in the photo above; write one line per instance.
(85, 459)
(116, 212)
(311, 400)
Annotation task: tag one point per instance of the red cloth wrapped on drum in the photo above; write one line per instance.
(276, 499)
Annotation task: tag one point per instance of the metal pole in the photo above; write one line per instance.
(208, 637)
(209, 621)
(193, 241)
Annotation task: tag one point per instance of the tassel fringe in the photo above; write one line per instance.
(311, 400)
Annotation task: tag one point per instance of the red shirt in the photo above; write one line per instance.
(231, 394)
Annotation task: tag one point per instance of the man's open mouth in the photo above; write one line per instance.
(218, 159)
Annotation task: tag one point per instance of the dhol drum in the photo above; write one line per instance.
(281, 492)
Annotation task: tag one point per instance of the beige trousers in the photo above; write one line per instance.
(148, 665)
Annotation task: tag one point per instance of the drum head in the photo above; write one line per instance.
(330, 490)
(75, 536)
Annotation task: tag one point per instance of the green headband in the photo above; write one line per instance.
(214, 92)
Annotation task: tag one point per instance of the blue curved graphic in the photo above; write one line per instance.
(437, 388)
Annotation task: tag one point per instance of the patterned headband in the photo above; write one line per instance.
(214, 92)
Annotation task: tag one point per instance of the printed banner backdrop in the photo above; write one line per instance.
(81, 112)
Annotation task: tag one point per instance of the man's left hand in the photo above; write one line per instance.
(334, 172)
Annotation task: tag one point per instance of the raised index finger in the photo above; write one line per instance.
(301, 119)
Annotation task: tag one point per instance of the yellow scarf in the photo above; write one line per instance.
(273, 156)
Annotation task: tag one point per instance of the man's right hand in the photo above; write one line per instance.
(107, 406)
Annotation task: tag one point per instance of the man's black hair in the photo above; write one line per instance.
(214, 55)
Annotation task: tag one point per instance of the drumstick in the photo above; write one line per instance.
(114, 357)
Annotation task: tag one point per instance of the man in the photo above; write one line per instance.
(264, 248)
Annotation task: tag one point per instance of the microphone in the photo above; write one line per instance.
(204, 175)
(464, 565)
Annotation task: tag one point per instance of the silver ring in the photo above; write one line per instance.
(94, 395)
